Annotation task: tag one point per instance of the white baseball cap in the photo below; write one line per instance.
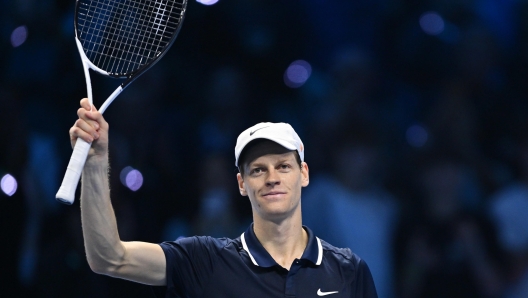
(280, 133)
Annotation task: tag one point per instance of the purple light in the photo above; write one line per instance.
(131, 178)
(207, 2)
(417, 136)
(19, 36)
(124, 173)
(432, 23)
(297, 73)
(134, 180)
(9, 184)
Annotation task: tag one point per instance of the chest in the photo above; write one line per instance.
(303, 280)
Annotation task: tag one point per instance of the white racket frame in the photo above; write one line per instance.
(66, 193)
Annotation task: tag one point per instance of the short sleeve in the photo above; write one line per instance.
(364, 283)
(190, 263)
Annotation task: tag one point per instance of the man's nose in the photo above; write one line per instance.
(273, 177)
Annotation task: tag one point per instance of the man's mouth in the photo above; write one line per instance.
(273, 194)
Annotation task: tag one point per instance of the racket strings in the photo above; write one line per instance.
(145, 47)
(140, 29)
(122, 36)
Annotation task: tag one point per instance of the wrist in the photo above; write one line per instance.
(96, 162)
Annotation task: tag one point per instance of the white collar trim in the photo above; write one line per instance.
(319, 248)
(320, 252)
(244, 245)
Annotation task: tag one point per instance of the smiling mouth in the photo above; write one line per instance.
(272, 194)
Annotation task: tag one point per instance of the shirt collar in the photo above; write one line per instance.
(260, 257)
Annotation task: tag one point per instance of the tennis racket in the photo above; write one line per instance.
(119, 39)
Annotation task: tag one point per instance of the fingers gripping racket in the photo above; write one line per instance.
(120, 39)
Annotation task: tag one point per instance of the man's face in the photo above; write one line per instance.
(273, 180)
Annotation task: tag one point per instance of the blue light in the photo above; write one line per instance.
(417, 136)
(19, 36)
(432, 23)
(297, 73)
(124, 173)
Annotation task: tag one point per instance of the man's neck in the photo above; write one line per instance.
(284, 241)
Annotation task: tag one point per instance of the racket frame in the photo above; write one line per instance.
(66, 192)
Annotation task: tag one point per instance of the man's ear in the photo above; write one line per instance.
(305, 174)
(241, 188)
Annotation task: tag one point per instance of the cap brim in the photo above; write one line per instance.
(279, 141)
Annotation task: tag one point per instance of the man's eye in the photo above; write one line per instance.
(284, 166)
(256, 171)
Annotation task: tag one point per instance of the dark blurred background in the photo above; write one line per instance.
(413, 115)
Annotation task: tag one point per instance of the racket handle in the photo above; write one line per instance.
(66, 193)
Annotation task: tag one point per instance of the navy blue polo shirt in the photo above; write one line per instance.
(241, 267)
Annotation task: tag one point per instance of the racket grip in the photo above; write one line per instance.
(66, 193)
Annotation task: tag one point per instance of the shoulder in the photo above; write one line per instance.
(344, 255)
(199, 244)
(344, 258)
(199, 252)
(200, 247)
(191, 261)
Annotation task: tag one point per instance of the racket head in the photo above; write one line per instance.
(122, 38)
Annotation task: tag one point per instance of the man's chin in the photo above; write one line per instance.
(276, 214)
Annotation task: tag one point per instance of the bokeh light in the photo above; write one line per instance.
(417, 136)
(9, 184)
(134, 180)
(297, 73)
(432, 23)
(131, 178)
(19, 36)
(124, 173)
(207, 2)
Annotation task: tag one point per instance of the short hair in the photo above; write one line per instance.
(242, 161)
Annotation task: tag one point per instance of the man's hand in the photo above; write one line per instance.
(91, 127)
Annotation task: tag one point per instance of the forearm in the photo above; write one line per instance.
(104, 249)
(106, 253)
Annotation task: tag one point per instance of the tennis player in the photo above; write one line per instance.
(275, 257)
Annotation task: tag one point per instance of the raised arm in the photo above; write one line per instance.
(106, 253)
